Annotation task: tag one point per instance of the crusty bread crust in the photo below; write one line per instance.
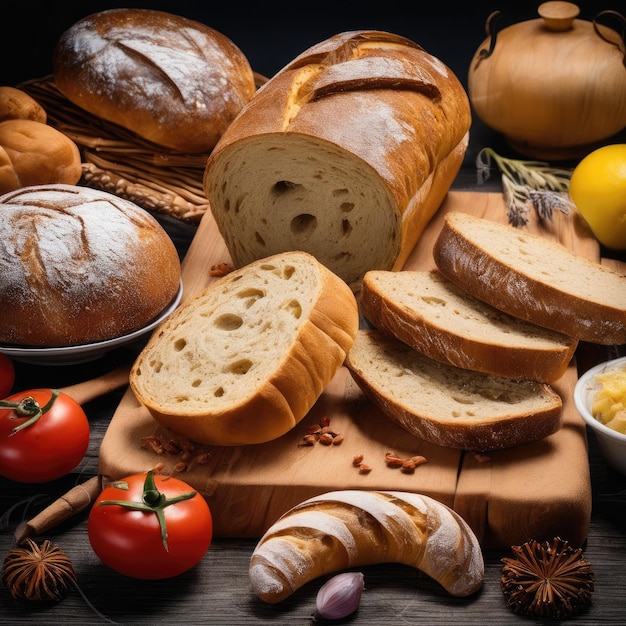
(173, 81)
(532, 278)
(450, 406)
(34, 153)
(437, 318)
(244, 361)
(79, 265)
(346, 153)
(348, 529)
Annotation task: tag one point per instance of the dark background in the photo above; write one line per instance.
(272, 33)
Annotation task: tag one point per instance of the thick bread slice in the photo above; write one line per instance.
(450, 406)
(346, 529)
(244, 361)
(346, 153)
(532, 278)
(426, 311)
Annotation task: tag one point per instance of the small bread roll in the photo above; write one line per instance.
(33, 153)
(16, 104)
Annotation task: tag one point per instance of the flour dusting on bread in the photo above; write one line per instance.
(347, 529)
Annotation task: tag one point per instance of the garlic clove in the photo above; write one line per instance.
(340, 596)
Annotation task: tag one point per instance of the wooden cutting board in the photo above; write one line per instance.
(535, 491)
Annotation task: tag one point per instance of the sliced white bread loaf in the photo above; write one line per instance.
(447, 405)
(346, 153)
(431, 314)
(532, 278)
(244, 360)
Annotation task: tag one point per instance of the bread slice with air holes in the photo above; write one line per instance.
(532, 278)
(431, 314)
(347, 153)
(244, 361)
(447, 405)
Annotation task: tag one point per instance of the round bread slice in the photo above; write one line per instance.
(533, 278)
(431, 314)
(451, 406)
(244, 361)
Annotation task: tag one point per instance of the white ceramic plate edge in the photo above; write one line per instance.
(87, 352)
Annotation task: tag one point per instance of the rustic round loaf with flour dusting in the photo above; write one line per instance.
(173, 81)
(79, 265)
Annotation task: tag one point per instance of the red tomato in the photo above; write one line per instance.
(48, 448)
(126, 533)
(7, 375)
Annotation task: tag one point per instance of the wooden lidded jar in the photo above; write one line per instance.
(555, 86)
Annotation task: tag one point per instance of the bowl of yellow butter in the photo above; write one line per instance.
(600, 398)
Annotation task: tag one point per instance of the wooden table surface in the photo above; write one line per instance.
(217, 591)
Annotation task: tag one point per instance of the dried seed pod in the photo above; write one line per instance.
(38, 572)
(393, 460)
(547, 580)
(326, 439)
(221, 269)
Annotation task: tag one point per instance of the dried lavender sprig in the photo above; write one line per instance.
(527, 182)
(538, 175)
(516, 198)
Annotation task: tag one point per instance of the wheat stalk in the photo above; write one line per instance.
(527, 183)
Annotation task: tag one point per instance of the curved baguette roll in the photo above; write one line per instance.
(447, 405)
(349, 529)
(431, 314)
(533, 278)
(346, 153)
(34, 153)
(245, 360)
(171, 80)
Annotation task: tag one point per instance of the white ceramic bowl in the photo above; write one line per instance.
(71, 355)
(612, 444)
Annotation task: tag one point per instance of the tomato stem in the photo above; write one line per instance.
(29, 407)
(153, 501)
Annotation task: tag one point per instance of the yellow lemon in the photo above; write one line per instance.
(598, 189)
